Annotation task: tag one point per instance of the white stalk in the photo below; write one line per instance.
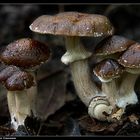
(126, 93)
(77, 57)
(23, 108)
(111, 90)
(12, 108)
(85, 87)
(75, 51)
(19, 107)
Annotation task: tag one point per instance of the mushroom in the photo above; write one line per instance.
(27, 54)
(4, 74)
(7, 71)
(130, 59)
(109, 71)
(116, 47)
(112, 47)
(73, 25)
(16, 82)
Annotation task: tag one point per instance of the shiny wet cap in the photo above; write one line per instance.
(25, 53)
(73, 24)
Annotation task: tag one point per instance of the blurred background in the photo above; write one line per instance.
(58, 103)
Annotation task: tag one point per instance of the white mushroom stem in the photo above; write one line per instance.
(19, 107)
(127, 95)
(32, 94)
(23, 108)
(110, 88)
(77, 57)
(12, 108)
(85, 87)
(75, 51)
(120, 94)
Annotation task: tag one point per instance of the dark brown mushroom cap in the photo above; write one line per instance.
(113, 44)
(7, 72)
(20, 80)
(131, 57)
(73, 24)
(25, 53)
(108, 68)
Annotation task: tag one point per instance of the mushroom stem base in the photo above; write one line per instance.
(12, 108)
(19, 107)
(23, 108)
(100, 108)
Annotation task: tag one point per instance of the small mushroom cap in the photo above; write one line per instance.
(20, 80)
(131, 57)
(108, 69)
(113, 44)
(7, 72)
(73, 24)
(25, 53)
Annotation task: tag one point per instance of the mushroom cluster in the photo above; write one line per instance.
(73, 25)
(25, 54)
(17, 81)
(118, 65)
(118, 69)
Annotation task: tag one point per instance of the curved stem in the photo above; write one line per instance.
(91, 96)
(77, 57)
(86, 88)
(100, 108)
